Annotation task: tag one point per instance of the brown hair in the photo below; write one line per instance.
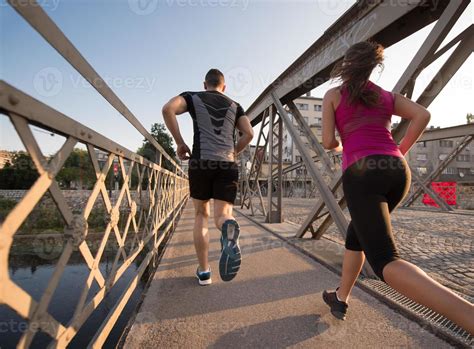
(214, 78)
(355, 69)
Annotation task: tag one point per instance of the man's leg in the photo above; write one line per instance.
(222, 212)
(201, 232)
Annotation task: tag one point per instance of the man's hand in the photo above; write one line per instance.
(183, 151)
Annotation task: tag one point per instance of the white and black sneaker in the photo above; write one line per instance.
(204, 277)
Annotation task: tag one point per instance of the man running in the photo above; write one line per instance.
(213, 171)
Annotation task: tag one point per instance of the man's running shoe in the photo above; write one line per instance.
(338, 308)
(204, 277)
(229, 263)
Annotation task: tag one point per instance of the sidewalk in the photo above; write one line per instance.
(275, 301)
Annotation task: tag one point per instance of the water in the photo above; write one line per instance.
(32, 273)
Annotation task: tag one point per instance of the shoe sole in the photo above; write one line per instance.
(231, 258)
(204, 282)
(335, 313)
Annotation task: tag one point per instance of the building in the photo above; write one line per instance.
(311, 108)
(424, 157)
(5, 156)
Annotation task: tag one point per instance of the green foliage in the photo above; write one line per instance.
(148, 151)
(6, 205)
(20, 174)
(469, 118)
(77, 168)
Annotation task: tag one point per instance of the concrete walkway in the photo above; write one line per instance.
(275, 301)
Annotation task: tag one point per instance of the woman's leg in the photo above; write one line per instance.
(352, 264)
(415, 284)
(351, 267)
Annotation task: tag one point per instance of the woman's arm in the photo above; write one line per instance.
(329, 122)
(419, 118)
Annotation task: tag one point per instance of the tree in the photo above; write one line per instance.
(77, 168)
(470, 118)
(21, 173)
(148, 151)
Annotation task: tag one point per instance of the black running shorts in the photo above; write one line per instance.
(210, 179)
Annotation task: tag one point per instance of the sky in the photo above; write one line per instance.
(151, 50)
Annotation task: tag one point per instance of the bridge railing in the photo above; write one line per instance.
(137, 220)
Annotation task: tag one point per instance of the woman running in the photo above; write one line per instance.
(375, 179)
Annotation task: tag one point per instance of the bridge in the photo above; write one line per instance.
(275, 301)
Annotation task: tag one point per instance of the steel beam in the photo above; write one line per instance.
(383, 21)
(324, 191)
(434, 39)
(447, 132)
(313, 140)
(424, 182)
(275, 134)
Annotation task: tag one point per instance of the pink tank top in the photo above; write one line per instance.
(365, 130)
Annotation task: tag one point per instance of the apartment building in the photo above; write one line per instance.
(424, 157)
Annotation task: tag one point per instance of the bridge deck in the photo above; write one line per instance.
(275, 301)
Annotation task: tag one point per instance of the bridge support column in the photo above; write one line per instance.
(274, 189)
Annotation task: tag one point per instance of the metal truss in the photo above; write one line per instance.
(275, 168)
(365, 20)
(251, 185)
(425, 182)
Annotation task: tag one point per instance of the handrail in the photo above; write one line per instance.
(32, 12)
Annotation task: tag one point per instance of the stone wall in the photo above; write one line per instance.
(76, 199)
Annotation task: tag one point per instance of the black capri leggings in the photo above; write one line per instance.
(373, 187)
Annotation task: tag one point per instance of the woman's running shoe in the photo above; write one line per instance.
(338, 308)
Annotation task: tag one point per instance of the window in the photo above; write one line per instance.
(306, 119)
(472, 171)
(463, 170)
(422, 170)
(443, 156)
(446, 143)
(421, 144)
(298, 158)
(463, 157)
(421, 157)
(302, 106)
(318, 107)
(450, 170)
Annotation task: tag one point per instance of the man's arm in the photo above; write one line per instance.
(176, 106)
(246, 133)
